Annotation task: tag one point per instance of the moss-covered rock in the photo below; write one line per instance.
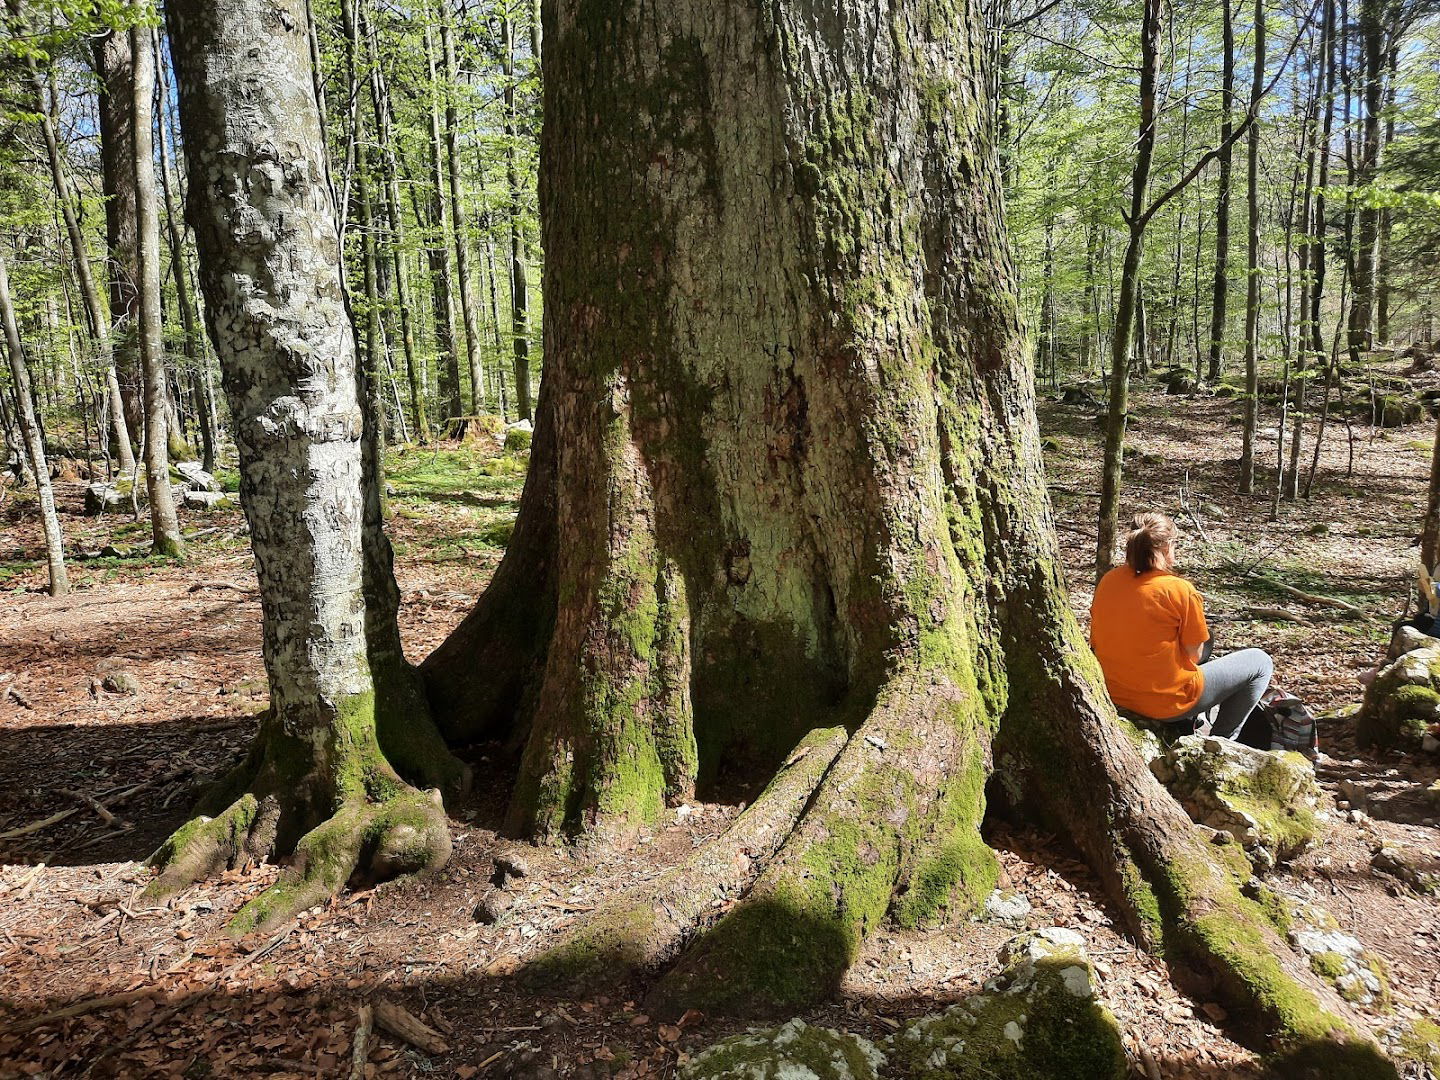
(1357, 974)
(517, 439)
(1420, 1043)
(1402, 702)
(1419, 871)
(1038, 1020)
(793, 1051)
(1268, 800)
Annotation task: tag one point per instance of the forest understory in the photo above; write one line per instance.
(135, 690)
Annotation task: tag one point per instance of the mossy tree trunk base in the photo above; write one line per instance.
(351, 818)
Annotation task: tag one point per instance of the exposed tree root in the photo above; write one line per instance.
(1180, 893)
(894, 826)
(355, 819)
(648, 926)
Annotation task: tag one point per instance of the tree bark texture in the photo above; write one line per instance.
(788, 479)
(32, 440)
(318, 781)
(115, 65)
(1220, 292)
(150, 338)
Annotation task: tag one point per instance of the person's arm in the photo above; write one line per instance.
(1194, 633)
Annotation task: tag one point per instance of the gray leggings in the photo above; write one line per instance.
(1235, 682)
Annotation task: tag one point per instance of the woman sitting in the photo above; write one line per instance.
(1147, 627)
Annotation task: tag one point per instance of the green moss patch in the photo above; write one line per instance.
(793, 1051)
(1038, 1020)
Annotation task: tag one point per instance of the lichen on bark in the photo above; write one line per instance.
(316, 788)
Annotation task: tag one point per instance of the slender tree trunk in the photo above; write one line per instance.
(33, 442)
(115, 64)
(1117, 415)
(1252, 261)
(395, 237)
(438, 249)
(95, 322)
(164, 525)
(1383, 225)
(1361, 325)
(1221, 292)
(460, 216)
(519, 285)
(320, 780)
(195, 359)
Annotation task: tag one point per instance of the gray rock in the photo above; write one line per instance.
(1038, 1019)
(1005, 906)
(792, 1051)
(202, 500)
(196, 478)
(493, 907)
(509, 865)
(121, 682)
(1267, 800)
(1407, 639)
(102, 498)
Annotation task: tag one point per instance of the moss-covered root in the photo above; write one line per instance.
(898, 812)
(406, 834)
(645, 928)
(1216, 937)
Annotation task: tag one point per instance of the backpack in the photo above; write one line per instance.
(1281, 721)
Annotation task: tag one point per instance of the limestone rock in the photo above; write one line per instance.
(1419, 871)
(1007, 906)
(102, 498)
(793, 1051)
(1356, 973)
(493, 906)
(203, 500)
(1037, 1020)
(1267, 799)
(1407, 639)
(196, 478)
(121, 682)
(1402, 702)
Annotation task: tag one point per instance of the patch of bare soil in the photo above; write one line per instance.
(119, 702)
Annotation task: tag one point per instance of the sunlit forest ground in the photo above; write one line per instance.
(146, 681)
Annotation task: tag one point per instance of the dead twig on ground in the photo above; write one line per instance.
(364, 1019)
(406, 1026)
(108, 805)
(95, 804)
(1312, 598)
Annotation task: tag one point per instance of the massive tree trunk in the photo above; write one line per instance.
(320, 781)
(164, 525)
(787, 477)
(32, 447)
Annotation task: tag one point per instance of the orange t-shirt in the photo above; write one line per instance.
(1141, 628)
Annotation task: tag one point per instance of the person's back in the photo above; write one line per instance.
(1146, 629)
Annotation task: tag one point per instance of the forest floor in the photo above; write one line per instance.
(165, 993)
